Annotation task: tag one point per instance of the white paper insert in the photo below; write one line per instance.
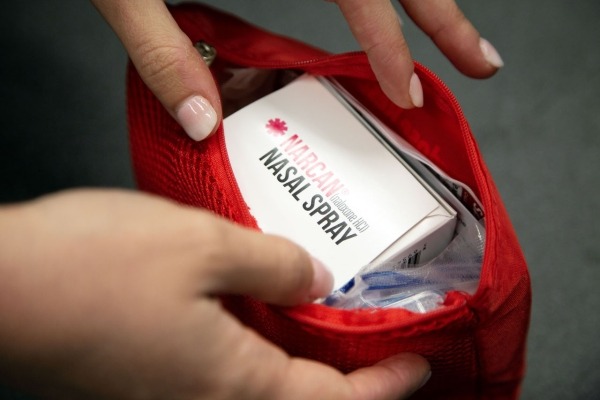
(311, 172)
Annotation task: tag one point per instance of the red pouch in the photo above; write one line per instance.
(475, 344)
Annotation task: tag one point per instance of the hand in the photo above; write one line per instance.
(167, 62)
(171, 67)
(376, 26)
(111, 294)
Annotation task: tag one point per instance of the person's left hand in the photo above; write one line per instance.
(171, 67)
(109, 294)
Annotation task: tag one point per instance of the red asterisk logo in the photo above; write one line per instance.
(276, 127)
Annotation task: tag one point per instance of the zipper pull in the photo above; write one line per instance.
(207, 52)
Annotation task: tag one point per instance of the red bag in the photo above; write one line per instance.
(475, 344)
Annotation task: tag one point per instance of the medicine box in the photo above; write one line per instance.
(311, 171)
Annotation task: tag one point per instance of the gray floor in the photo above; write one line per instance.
(537, 122)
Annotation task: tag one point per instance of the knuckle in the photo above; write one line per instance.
(387, 52)
(454, 20)
(215, 242)
(159, 61)
(295, 264)
(206, 237)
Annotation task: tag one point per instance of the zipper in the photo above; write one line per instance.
(274, 64)
(206, 51)
(462, 121)
(474, 160)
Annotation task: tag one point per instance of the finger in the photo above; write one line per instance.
(267, 267)
(376, 27)
(455, 36)
(394, 378)
(280, 376)
(167, 62)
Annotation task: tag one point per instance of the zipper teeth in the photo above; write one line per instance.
(234, 56)
(462, 120)
(472, 154)
(464, 126)
(248, 219)
(274, 64)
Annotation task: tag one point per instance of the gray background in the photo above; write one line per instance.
(537, 122)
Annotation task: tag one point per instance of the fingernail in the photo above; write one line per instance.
(490, 53)
(322, 280)
(415, 90)
(197, 117)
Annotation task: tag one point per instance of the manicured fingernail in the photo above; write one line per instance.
(490, 53)
(322, 281)
(197, 117)
(415, 90)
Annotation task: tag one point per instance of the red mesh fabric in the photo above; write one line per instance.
(476, 345)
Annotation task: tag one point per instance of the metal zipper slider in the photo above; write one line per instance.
(207, 52)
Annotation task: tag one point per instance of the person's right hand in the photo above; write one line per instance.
(110, 294)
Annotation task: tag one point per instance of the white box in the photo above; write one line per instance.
(310, 171)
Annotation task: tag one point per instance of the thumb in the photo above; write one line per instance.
(267, 267)
(167, 62)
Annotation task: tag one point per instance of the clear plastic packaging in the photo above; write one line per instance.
(422, 288)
